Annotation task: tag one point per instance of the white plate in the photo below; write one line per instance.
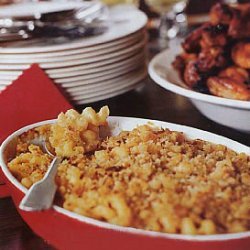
(2, 87)
(9, 77)
(100, 85)
(77, 70)
(125, 19)
(108, 86)
(89, 71)
(97, 77)
(98, 47)
(34, 8)
(118, 55)
(228, 112)
(10, 72)
(103, 78)
(5, 82)
(96, 67)
(75, 54)
(76, 59)
(109, 95)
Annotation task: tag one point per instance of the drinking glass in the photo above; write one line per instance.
(172, 19)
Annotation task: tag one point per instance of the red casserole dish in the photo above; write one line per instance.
(67, 230)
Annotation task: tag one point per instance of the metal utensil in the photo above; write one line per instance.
(74, 23)
(41, 195)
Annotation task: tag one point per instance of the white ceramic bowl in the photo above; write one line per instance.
(228, 112)
(79, 230)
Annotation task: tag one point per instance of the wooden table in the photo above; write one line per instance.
(151, 101)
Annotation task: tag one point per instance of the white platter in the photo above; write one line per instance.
(228, 112)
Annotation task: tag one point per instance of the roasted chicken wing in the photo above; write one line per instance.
(237, 18)
(192, 75)
(216, 57)
(241, 55)
(235, 73)
(228, 88)
(239, 27)
(221, 13)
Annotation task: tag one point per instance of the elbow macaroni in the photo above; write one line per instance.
(75, 133)
(148, 178)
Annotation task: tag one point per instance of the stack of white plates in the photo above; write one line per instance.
(87, 69)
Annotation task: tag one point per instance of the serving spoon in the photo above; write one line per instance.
(41, 195)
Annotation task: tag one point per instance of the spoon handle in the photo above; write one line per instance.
(41, 195)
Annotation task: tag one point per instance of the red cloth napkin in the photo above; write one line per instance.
(33, 97)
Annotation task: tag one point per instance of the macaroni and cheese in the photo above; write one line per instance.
(148, 178)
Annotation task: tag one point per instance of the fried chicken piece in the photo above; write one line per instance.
(236, 17)
(239, 26)
(221, 13)
(192, 41)
(235, 73)
(228, 88)
(192, 75)
(205, 65)
(241, 54)
(211, 58)
(179, 64)
(182, 60)
(206, 36)
(213, 36)
(208, 51)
